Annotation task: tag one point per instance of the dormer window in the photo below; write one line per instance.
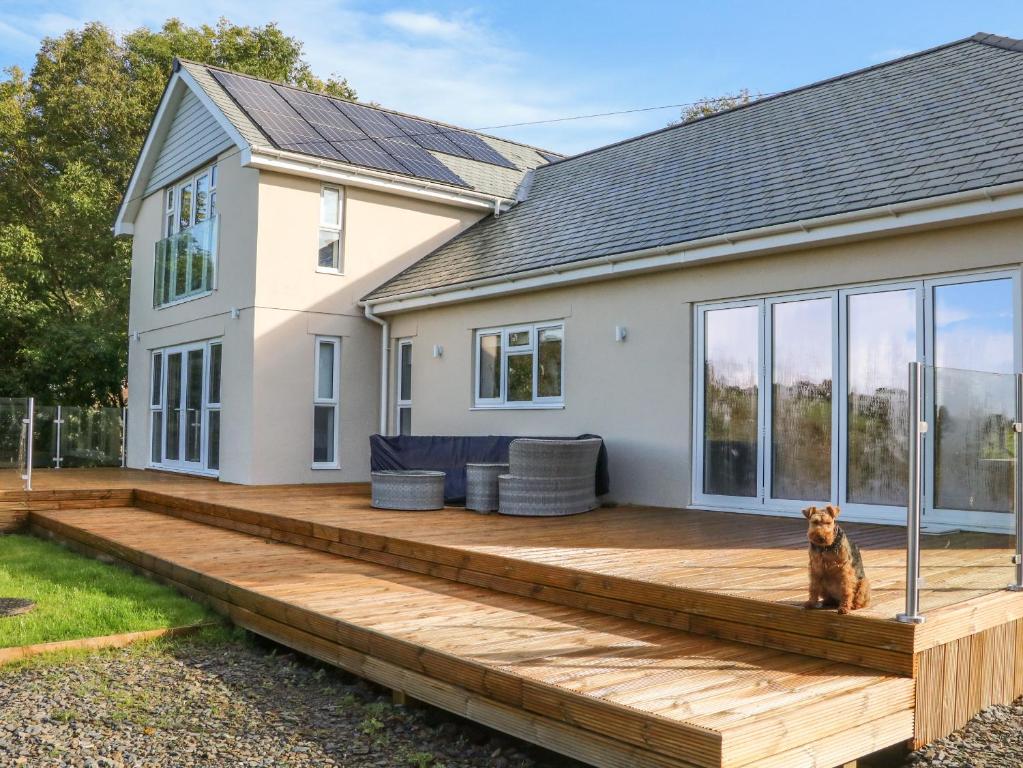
(330, 257)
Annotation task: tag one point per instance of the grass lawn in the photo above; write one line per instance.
(79, 597)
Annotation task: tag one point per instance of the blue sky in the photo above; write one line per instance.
(486, 64)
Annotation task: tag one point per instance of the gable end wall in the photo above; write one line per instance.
(194, 137)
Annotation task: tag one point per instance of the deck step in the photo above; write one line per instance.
(607, 690)
(484, 554)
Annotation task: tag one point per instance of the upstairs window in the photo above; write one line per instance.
(330, 257)
(519, 366)
(186, 257)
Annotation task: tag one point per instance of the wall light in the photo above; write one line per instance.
(621, 333)
(438, 350)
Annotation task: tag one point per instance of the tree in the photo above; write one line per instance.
(707, 107)
(70, 132)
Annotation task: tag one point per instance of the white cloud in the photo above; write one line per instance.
(427, 25)
(456, 67)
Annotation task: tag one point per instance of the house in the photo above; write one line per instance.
(260, 215)
(732, 302)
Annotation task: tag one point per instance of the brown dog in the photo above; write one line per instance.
(836, 566)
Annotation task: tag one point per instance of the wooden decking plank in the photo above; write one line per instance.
(293, 587)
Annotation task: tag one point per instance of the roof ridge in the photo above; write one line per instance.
(377, 107)
(998, 41)
(1007, 43)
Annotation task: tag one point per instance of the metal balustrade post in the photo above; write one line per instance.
(914, 504)
(1017, 559)
(29, 423)
(124, 438)
(58, 457)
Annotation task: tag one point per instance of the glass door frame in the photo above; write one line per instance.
(874, 513)
(767, 365)
(200, 467)
(871, 513)
(747, 503)
(970, 518)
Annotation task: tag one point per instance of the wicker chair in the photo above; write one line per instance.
(547, 478)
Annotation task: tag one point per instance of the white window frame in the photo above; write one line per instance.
(762, 503)
(170, 225)
(172, 205)
(334, 400)
(404, 346)
(158, 388)
(200, 467)
(531, 348)
(338, 229)
(209, 406)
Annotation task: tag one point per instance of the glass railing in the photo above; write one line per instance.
(67, 436)
(61, 437)
(963, 500)
(186, 263)
(13, 432)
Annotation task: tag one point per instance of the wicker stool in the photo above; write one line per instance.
(481, 486)
(408, 489)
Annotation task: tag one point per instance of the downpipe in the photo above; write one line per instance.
(385, 359)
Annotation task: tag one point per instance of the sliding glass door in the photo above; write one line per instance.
(185, 407)
(802, 399)
(800, 367)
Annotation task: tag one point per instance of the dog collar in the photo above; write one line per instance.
(833, 546)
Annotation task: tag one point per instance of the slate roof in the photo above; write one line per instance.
(945, 120)
(499, 177)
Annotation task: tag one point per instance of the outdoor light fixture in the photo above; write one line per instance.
(438, 350)
(621, 333)
(235, 313)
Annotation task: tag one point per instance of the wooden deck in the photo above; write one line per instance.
(660, 637)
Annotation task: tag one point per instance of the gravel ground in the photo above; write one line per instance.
(228, 701)
(233, 701)
(993, 739)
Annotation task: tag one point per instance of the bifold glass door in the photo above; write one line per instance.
(803, 399)
(185, 407)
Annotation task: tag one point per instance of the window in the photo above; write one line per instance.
(404, 387)
(213, 379)
(184, 407)
(185, 263)
(325, 402)
(802, 398)
(519, 366)
(156, 409)
(330, 255)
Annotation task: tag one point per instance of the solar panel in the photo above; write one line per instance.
(478, 149)
(342, 133)
(427, 135)
(284, 127)
(315, 124)
(419, 161)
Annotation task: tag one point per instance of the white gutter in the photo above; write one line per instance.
(385, 359)
(269, 159)
(957, 208)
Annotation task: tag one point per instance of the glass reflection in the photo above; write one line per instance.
(801, 400)
(882, 343)
(973, 447)
(731, 363)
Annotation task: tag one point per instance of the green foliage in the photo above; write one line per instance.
(78, 597)
(707, 107)
(70, 132)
